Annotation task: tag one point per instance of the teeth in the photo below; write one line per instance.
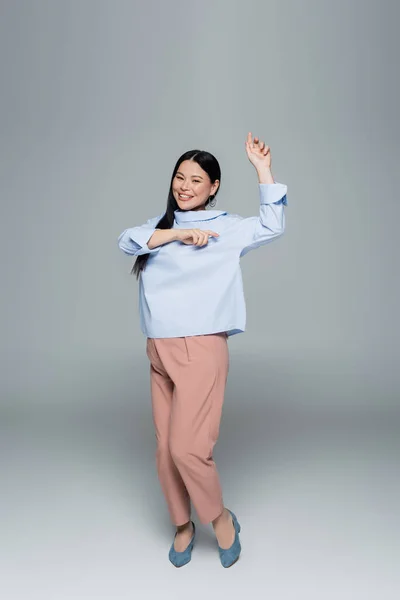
(184, 196)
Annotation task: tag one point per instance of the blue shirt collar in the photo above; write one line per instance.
(189, 216)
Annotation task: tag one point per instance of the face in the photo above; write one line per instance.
(192, 181)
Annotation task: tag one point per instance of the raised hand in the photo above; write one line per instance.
(258, 153)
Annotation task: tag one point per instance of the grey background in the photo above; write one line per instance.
(98, 100)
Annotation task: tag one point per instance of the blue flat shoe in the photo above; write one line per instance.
(228, 556)
(179, 559)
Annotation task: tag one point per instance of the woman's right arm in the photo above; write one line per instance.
(146, 239)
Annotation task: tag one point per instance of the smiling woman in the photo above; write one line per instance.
(190, 188)
(191, 301)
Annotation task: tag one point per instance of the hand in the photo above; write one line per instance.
(195, 237)
(258, 153)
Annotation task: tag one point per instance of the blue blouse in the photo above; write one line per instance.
(188, 290)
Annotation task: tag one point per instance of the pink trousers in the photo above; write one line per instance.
(187, 379)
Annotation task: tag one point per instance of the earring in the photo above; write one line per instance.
(212, 201)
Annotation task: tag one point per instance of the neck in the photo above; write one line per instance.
(202, 207)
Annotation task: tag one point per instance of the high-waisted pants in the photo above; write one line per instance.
(187, 379)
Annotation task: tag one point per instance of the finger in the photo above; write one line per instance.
(196, 236)
(249, 142)
(212, 232)
(203, 239)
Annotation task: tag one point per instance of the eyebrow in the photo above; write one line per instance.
(180, 173)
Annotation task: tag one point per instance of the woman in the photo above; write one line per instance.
(191, 302)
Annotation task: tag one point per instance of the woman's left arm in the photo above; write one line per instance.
(270, 224)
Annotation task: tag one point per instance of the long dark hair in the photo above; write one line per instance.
(210, 165)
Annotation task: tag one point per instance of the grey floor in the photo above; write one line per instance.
(317, 494)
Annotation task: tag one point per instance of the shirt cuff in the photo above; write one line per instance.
(273, 193)
(139, 237)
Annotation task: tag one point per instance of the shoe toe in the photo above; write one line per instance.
(179, 559)
(230, 555)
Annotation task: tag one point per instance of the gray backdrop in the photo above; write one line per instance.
(98, 100)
